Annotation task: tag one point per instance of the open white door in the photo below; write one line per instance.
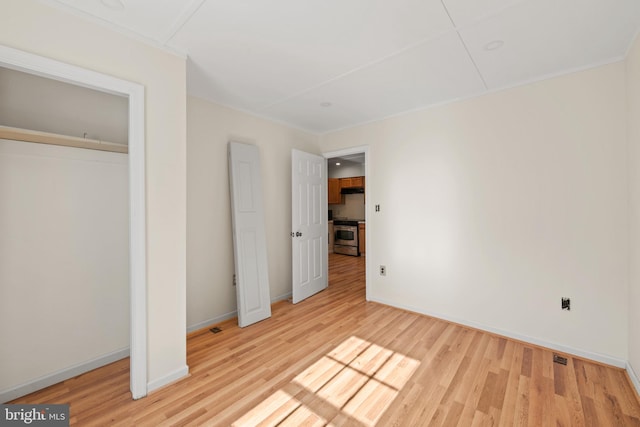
(309, 224)
(249, 239)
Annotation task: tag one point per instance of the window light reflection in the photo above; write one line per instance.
(356, 381)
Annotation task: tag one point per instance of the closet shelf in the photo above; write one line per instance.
(17, 134)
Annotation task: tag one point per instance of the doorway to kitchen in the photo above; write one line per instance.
(348, 185)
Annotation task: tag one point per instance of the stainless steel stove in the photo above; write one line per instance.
(345, 237)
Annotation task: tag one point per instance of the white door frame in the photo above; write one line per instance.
(367, 183)
(45, 67)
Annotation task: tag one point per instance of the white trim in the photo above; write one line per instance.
(138, 243)
(168, 379)
(598, 357)
(368, 206)
(61, 375)
(634, 378)
(212, 321)
(23, 61)
(281, 297)
(230, 315)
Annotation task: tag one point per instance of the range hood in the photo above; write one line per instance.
(352, 190)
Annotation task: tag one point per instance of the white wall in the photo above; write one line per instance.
(64, 258)
(32, 102)
(633, 99)
(211, 295)
(494, 208)
(33, 27)
(346, 169)
(353, 207)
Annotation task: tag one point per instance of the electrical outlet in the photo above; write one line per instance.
(234, 280)
(566, 303)
(377, 208)
(383, 270)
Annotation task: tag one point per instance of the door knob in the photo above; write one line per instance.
(298, 234)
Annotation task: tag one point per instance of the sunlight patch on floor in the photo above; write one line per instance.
(355, 382)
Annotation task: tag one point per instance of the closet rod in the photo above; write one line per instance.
(17, 134)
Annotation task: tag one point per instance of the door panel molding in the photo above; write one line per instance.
(309, 230)
(249, 234)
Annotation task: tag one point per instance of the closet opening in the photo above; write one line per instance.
(73, 255)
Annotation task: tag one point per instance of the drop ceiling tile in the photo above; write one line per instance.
(282, 58)
(152, 19)
(267, 51)
(463, 12)
(434, 72)
(202, 84)
(548, 37)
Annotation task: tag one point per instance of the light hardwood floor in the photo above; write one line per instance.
(335, 359)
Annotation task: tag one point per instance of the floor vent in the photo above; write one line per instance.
(559, 359)
(215, 330)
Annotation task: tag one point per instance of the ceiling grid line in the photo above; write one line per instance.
(359, 68)
(182, 19)
(473, 61)
(484, 16)
(466, 48)
(323, 65)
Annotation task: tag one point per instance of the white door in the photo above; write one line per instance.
(309, 224)
(249, 240)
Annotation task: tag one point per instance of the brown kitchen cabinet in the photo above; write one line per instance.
(354, 181)
(361, 237)
(335, 198)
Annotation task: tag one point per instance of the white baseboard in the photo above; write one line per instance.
(281, 297)
(602, 358)
(168, 379)
(634, 378)
(227, 316)
(212, 321)
(61, 375)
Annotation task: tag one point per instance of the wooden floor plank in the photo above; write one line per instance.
(336, 359)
